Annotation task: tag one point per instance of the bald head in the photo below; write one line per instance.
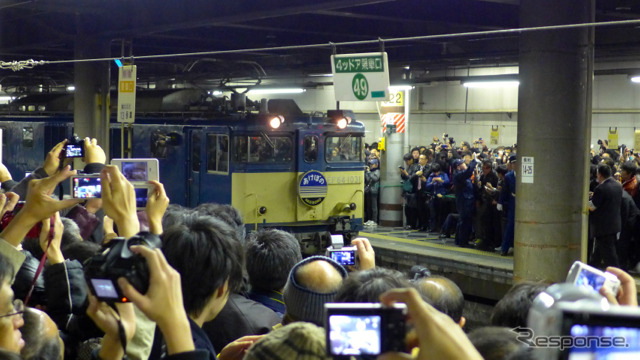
(444, 295)
(41, 336)
(319, 276)
(312, 283)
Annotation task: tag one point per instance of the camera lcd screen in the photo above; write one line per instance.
(74, 150)
(589, 279)
(344, 257)
(135, 171)
(594, 342)
(86, 187)
(141, 197)
(354, 334)
(104, 288)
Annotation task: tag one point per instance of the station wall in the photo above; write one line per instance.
(446, 107)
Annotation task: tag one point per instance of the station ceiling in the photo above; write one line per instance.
(50, 29)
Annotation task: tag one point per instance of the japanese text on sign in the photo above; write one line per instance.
(126, 94)
(313, 177)
(359, 64)
(527, 170)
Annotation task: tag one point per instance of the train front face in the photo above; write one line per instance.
(306, 177)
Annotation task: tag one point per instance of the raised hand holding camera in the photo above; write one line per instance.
(119, 201)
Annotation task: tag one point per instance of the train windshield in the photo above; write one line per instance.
(263, 149)
(343, 148)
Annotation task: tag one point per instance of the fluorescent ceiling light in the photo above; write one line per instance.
(635, 79)
(490, 84)
(400, 87)
(6, 98)
(277, 91)
(215, 92)
(71, 88)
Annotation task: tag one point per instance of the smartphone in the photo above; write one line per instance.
(138, 170)
(582, 274)
(86, 186)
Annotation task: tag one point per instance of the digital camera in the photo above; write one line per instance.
(343, 256)
(74, 147)
(582, 274)
(115, 261)
(566, 322)
(364, 328)
(86, 186)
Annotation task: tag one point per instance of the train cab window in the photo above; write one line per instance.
(310, 148)
(263, 149)
(159, 144)
(27, 137)
(195, 152)
(217, 153)
(343, 148)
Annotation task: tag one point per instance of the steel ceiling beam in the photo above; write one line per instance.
(243, 18)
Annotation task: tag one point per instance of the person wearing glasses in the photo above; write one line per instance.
(10, 311)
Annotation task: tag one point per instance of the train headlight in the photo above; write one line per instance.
(352, 206)
(262, 210)
(276, 121)
(340, 118)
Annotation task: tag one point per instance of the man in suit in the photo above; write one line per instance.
(605, 218)
(463, 186)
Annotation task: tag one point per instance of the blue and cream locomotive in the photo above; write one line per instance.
(280, 167)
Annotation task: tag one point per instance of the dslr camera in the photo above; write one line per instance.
(355, 329)
(115, 261)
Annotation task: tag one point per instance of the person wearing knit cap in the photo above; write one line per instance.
(312, 282)
(296, 341)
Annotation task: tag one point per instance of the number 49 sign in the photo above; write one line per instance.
(360, 77)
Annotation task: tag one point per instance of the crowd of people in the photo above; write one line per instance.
(210, 290)
(470, 190)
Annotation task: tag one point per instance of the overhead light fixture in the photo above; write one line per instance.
(635, 79)
(5, 98)
(401, 87)
(215, 92)
(490, 84)
(277, 91)
(71, 88)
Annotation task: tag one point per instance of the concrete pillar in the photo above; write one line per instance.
(554, 128)
(91, 97)
(390, 209)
